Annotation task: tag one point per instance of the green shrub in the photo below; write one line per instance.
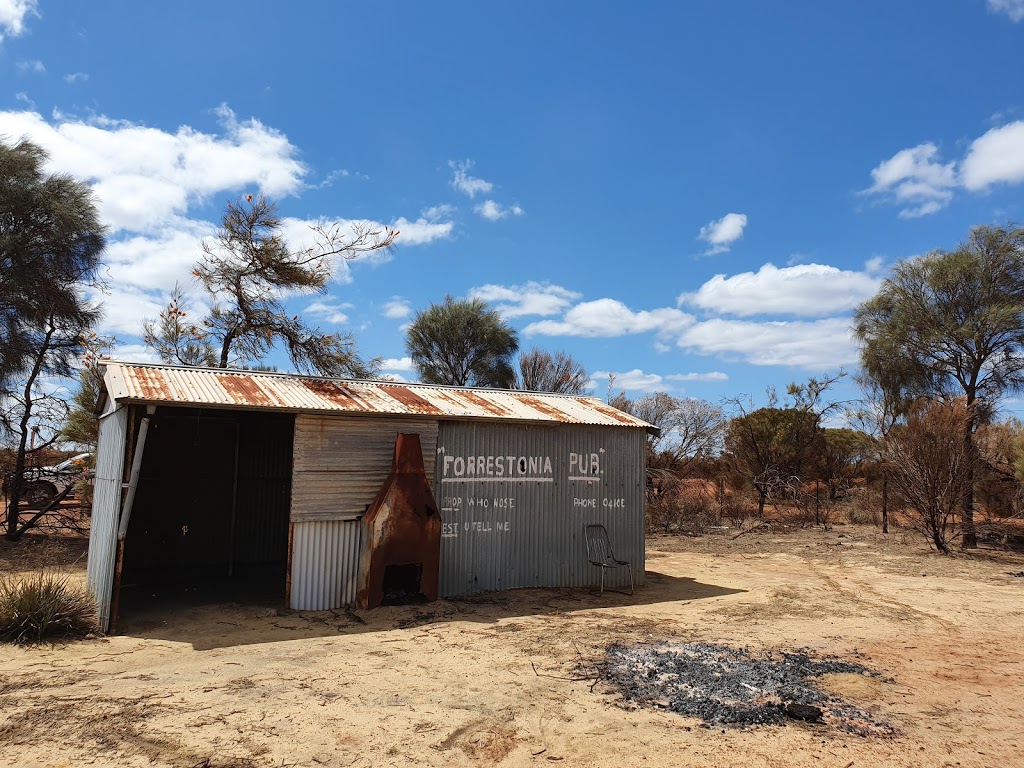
(43, 606)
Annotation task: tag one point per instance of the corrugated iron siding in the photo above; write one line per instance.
(340, 463)
(505, 529)
(325, 564)
(251, 390)
(106, 507)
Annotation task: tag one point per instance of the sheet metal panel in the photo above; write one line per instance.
(257, 390)
(514, 500)
(106, 507)
(339, 463)
(325, 564)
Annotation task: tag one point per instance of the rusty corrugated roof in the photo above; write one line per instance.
(257, 390)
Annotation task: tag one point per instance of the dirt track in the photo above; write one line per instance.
(496, 679)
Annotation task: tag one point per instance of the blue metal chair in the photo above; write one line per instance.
(599, 551)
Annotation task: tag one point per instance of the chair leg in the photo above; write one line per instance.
(601, 593)
(630, 568)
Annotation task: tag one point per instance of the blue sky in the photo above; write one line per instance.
(692, 196)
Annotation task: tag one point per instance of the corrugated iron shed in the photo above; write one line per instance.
(257, 390)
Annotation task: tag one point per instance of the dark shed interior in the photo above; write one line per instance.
(211, 513)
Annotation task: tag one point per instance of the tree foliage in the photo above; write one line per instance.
(844, 453)
(462, 343)
(50, 245)
(540, 371)
(51, 240)
(247, 270)
(951, 323)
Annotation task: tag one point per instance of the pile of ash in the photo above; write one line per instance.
(735, 686)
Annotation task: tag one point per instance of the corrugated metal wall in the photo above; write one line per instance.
(339, 464)
(106, 507)
(327, 555)
(514, 500)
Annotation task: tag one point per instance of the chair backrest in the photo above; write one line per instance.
(599, 548)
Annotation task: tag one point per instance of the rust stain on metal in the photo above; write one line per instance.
(244, 391)
(545, 408)
(151, 383)
(334, 393)
(410, 399)
(611, 413)
(481, 402)
(401, 549)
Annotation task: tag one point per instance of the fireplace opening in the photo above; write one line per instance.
(402, 584)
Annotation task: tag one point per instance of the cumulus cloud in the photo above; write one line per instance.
(722, 233)
(805, 290)
(531, 298)
(915, 179)
(470, 186)
(493, 211)
(629, 381)
(605, 318)
(329, 310)
(148, 182)
(921, 183)
(397, 309)
(819, 344)
(13, 14)
(76, 77)
(398, 364)
(422, 230)
(146, 178)
(1012, 8)
(995, 158)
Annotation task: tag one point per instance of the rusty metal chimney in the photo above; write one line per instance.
(401, 547)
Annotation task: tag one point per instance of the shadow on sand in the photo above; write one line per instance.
(205, 621)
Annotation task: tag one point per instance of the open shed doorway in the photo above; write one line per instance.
(210, 518)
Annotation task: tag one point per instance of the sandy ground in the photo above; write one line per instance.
(497, 679)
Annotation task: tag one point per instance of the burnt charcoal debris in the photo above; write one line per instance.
(736, 686)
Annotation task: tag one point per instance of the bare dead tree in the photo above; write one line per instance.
(930, 467)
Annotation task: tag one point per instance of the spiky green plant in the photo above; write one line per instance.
(43, 606)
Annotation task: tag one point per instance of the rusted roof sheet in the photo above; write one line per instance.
(257, 390)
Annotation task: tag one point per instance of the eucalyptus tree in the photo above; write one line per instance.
(462, 343)
(951, 323)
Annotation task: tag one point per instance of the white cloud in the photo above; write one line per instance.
(125, 307)
(157, 260)
(629, 381)
(13, 14)
(146, 178)
(874, 265)
(493, 211)
(134, 353)
(330, 310)
(438, 212)
(997, 157)
(421, 231)
(468, 185)
(531, 298)
(805, 289)
(722, 233)
(398, 364)
(76, 77)
(606, 318)
(1012, 8)
(23, 97)
(922, 184)
(915, 179)
(397, 309)
(33, 66)
(818, 345)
